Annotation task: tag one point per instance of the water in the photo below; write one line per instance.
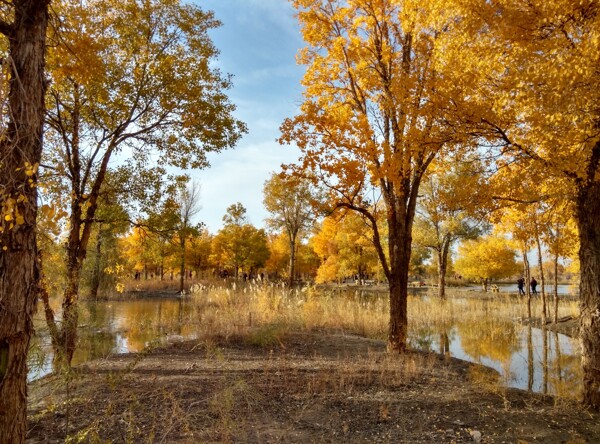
(562, 289)
(525, 357)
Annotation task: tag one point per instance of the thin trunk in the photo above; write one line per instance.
(530, 372)
(292, 264)
(587, 211)
(556, 288)
(484, 284)
(527, 273)
(544, 360)
(75, 257)
(182, 263)
(20, 150)
(95, 285)
(541, 270)
(443, 267)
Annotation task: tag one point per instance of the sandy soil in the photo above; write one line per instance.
(294, 388)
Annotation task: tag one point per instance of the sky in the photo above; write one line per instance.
(258, 42)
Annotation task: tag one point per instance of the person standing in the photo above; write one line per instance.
(521, 286)
(533, 286)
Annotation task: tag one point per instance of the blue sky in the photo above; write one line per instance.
(258, 41)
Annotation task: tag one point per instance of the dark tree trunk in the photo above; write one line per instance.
(442, 268)
(400, 238)
(527, 279)
(587, 211)
(21, 145)
(292, 264)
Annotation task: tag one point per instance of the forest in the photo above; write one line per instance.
(429, 270)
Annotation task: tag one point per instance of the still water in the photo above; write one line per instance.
(525, 357)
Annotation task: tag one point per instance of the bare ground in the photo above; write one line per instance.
(294, 388)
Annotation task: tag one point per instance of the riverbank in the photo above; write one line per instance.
(285, 386)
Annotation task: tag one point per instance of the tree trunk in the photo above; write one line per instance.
(587, 211)
(70, 315)
(95, 285)
(20, 151)
(292, 264)
(182, 263)
(442, 268)
(399, 252)
(541, 270)
(530, 369)
(527, 279)
(556, 288)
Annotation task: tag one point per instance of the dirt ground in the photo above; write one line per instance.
(294, 388)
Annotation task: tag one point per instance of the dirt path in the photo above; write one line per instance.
(301, 387)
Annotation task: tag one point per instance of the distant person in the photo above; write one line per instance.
(521, 286)
(533, 286)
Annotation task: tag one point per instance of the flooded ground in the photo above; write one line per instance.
(527, 358)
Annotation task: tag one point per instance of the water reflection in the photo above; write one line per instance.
(527, 358)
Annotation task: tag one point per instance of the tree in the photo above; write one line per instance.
(239, 245)
(188, 204)
(559, 235)
(345, 248)
(374, 116)
(545, 111)
(23, 26)
(450, 208)
(156, 98)
(487, 258)
(515, 220)
(289, 201)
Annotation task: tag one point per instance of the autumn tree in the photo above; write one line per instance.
(545, 110)
(198, 253)
(450, 208)
(289, 201)
(515, 221)
(560, 237)
(239, 245)
(487, 258)
(23, 29)
(345, 248)
(373, 118)
(157, 100)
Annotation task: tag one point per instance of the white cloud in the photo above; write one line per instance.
(258, 41)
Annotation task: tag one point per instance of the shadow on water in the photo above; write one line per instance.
(527, 358)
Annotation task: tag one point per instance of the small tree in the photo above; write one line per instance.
(289, 201)
(239, 245)
(490, 257)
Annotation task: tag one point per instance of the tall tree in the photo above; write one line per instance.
(23, 26)
(544, 108)
(157, 98)
(373, 118)
(289, 200)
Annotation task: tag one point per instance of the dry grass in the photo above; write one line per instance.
(268, 362)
